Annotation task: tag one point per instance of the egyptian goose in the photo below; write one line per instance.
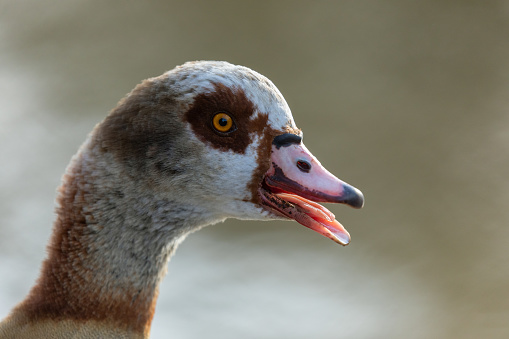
(199, 144)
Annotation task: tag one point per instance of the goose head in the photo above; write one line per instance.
(222, 138)
(199, 144)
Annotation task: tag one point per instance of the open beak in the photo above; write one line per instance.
(296, 182)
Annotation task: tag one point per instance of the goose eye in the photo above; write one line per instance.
(223, 123)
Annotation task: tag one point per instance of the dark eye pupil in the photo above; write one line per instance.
(223, 122)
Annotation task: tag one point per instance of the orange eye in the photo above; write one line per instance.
(222, 122)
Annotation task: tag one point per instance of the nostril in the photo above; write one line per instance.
(304, 166)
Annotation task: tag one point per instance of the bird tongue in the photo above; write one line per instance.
(314, 216)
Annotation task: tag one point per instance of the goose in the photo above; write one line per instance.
(203, 142)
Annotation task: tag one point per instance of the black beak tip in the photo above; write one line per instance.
(353, 197)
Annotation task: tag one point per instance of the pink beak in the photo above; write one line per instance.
(296, 181)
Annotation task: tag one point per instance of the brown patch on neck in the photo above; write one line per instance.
(64, 290)
(232, 101)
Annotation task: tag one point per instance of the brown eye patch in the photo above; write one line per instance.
(207, 106)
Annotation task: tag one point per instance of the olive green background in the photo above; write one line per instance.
(406, 100)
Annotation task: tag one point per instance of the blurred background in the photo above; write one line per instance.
(406, 100)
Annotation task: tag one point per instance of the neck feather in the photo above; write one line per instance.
(109, 248)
